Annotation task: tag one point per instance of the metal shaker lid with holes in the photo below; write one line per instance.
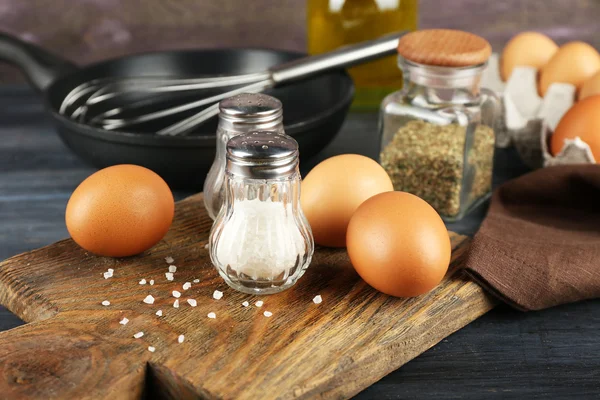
(250, 108)
(262, 155)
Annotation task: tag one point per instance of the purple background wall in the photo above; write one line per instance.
(89, 30)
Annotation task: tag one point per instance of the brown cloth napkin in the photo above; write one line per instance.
(539, 246)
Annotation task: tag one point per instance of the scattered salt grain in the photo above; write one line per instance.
(176, 294)
(169, 276)
(318, 299)
(159, 313)
(259, 303)
(267, 314)
(176, 303)
(111, 270)
(149, 299)
(138, 335)
(245, 304)
(196, 281)
(143, 282)
(151, 349)
(172, 268)
(151, 281)
(206, 246)
(169, 260)
(106, 303)
(212, 315)
(187, 285)
(124, 321)
(107, 275)
(181, 338)
(192, 302)
(217, 295)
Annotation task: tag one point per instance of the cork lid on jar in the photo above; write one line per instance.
(444, 48)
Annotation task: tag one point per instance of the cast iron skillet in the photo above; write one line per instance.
(314, 109)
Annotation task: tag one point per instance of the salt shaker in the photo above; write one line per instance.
(239, 114)
(261, 243)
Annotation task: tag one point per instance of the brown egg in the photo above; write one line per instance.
(334, 189)
(591, 87)
(573, 63)
(530, 49)
(583, 121)
(120, 211)
(398, 244)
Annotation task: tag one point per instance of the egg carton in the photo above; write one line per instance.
(527, 120)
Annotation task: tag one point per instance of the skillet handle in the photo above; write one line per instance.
(39, 66)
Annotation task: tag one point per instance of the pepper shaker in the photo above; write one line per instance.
(239, 114)
(261, 243)
(437, 133)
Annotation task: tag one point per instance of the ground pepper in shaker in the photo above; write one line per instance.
(437, 133)
(260, 242)
(239, 114)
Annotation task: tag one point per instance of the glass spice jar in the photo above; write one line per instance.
(239, 114)
(437, 133)
(261, 242)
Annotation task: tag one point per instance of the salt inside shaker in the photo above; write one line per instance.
(260, 242)
(239, 114)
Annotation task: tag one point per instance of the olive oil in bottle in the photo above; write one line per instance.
(335, 23)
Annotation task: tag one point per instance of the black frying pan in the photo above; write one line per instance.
(314, 109)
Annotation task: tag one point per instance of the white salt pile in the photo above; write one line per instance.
(149, 299)
(217, 295)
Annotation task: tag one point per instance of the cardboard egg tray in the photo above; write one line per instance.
(527, 120)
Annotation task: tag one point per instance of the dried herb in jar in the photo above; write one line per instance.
(428, 160)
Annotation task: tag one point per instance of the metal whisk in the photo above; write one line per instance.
(117, 103)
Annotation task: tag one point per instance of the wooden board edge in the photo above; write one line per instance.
(353, 380)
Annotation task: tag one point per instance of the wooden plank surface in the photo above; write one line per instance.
(75, 348)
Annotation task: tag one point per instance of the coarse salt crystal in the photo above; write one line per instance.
(169, 276)
(192, 302)
(138, 335)
(217, 295)
(318, 299)
(107, 275)
(169, 260)
(176, 303)
(212, 315)
(245, 304)
(159, 313)
(176, 294)
(206, 246)
(181, 338)
(151, 281)
(151, 349)
(106, 303)
(143, 282)
(259, 303)
(111, 270)
(267, 314)
(149, 299)
(124, 321)
(186, 286)
(196, 281)
(172, 268)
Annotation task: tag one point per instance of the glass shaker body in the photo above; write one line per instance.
(261, 242)
(239, 114)
(437, 136)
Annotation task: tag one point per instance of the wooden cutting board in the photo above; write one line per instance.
(73, 347)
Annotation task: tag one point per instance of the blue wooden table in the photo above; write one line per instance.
(505, 354)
